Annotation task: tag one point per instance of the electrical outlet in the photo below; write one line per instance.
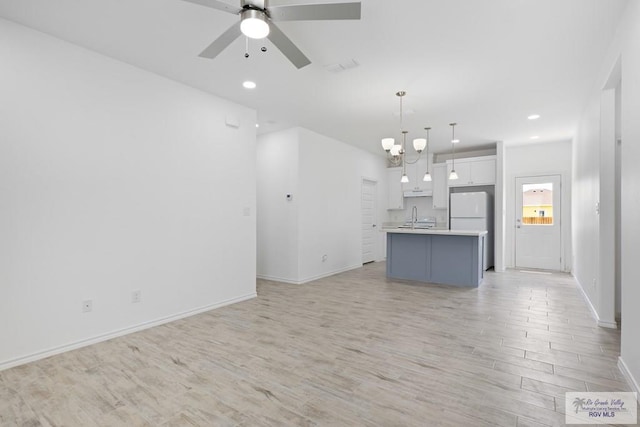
(87, 306)
(136, 296)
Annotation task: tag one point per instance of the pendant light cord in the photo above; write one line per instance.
(404, 166)
(453, 137)
(401, 122)
(404, 141)
(427, 148)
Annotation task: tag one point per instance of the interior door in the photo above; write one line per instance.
(537, 233)
(369, 231)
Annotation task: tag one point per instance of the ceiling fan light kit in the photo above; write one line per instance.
(254, 24)
(257, 21)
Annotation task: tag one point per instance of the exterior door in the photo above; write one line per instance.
(537, 234)
(369, 225)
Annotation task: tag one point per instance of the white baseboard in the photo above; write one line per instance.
(118, 333)
(330, 273)
(628, 376)
(307, 279)
(277, 279)
(606, 324)
(594, 312)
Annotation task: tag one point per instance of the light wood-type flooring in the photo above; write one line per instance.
(353, 349)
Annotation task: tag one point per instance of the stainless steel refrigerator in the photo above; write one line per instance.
(474, 211)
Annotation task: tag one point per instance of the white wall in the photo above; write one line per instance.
(325, 213)
(113, 179)
(586, 188)
(500, 204)
(277, 217)
(330, 219)
(534, 160)
(587, 175)
(607, 211)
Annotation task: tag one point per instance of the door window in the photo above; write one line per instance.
(537, 204)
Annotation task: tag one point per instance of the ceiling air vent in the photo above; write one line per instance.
(342, 66)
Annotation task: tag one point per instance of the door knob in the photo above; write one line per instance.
(374, 226)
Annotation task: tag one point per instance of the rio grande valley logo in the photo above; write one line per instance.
(601, 408)
(579, 402)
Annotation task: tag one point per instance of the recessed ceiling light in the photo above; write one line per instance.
(249, 84)
(257, 125)
(534, 117)
(455, 141)
(535, 137)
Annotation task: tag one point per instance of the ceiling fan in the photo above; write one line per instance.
(257, 21)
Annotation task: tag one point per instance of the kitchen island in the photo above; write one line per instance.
(451, 257)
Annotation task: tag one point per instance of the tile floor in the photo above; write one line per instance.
(353, 349)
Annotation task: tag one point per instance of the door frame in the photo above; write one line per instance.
(376, 219)
(565, 265)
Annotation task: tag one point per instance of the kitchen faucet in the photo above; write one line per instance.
(414, 217)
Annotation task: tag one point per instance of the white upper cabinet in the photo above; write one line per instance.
(394, 190)
(463, 169)
(473, 171)
(415, 173)
(483, 172)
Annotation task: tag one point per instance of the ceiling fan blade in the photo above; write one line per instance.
(222, 42)
(286, 46)
(314, 12)
(216, 4)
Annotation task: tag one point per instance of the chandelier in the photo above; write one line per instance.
(397, 153)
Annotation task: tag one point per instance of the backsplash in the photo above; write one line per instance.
(425, 209)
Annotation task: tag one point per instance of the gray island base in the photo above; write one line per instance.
(436, 256)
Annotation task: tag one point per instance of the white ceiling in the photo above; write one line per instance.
(486, 64)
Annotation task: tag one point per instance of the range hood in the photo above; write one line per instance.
(418, 193)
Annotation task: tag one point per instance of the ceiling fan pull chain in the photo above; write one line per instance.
(246, 47)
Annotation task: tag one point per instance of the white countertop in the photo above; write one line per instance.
(433, 231)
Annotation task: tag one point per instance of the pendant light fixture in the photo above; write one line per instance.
(453, 175)
(404, 178)
(396, 152)
(427, 175)
(419, 144)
